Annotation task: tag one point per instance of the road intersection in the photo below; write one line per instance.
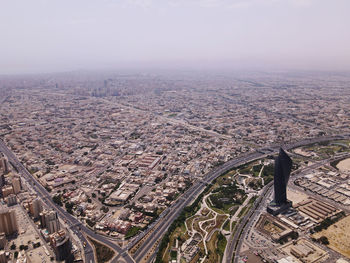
(158, 229)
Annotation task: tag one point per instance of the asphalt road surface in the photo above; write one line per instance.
(74, 224)
(166, 218)
(172, 212)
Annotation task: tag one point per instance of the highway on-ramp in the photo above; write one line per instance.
(166, 218)
(172, 212)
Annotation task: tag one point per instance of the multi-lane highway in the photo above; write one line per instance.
(172, 212)
(166, 218)
(74, 224)
(235, 243)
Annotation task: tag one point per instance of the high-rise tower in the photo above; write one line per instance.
(8, 221)
(3, 166)
(16, 185)
(3, 170)
(283, 167)
(61, 244)
(49, 220)
(35, 207)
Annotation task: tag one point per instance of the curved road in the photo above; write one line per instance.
(235, 244)
(172, 212)
(168, 215)
(74, 224)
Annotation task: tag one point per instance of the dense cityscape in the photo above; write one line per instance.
(174, 167)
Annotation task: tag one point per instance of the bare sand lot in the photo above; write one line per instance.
(344, 165)
(296, 196)
(338, 236)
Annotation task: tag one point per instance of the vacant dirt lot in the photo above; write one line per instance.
(344, 165)
(338, 236)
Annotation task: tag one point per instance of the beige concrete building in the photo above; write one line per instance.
(16, 184)
(8, 221)
(49, 220)
(35, 208)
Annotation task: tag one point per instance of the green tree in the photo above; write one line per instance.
(57, 199)
(324, 240)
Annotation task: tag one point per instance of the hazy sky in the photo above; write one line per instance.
(64, 35)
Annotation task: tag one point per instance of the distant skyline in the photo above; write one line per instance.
(41, 36)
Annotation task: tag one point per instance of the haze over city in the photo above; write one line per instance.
(53, 36)
(175, 131)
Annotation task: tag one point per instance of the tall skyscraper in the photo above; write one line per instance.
(35, 207)
(283, 167)
(3, 166)
(49, 220)
(3, 170)
(16, 185)
(8, 221)
(2, 180)
(62, 245)
(2, 183)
